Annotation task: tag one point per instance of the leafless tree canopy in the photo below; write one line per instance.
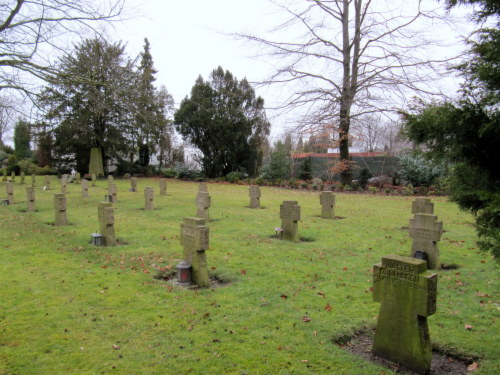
(347, 58)
(27, 26)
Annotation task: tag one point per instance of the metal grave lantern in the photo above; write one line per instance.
(184, 273)
(97, 239)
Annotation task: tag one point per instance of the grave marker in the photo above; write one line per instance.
(69, 178)
(13, 176)
(426, 231)
(203, 205)
(64, 184)
(9, 187)
(110, 178)
(194, 240)
(4, 170)
(254, 192)
(112, 190)
(94, 178)
(327, 201)
(60, 209)
(407, 293)
(133, 184)
(290, 215)
(85, 188)
(23, 175)
(78, 177)
(163, 186)
(422, 206)
(47, 182)
(30, 199)
(203, 187)
(33, 180)
(106, 215)
(149, 198)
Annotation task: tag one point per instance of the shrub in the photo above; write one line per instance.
(235, 176)
(304, 185)
(372, 189)
(364, 176)
(315, 187)
(260, 181)
(415, 169)
(347, 187)
(408, 190)
(169, 172)
(294, 184)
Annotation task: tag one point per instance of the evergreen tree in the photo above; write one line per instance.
(226, 121)
(22, 140)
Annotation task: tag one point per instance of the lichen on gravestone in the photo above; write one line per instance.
(407, 293)
(425, 231)
(422, 206)
(194, 240)
(203, 202)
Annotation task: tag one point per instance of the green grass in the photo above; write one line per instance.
(65, 303)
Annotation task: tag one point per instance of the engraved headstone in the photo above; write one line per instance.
(163, 186)
(327, 201)
(203, 205)
(254, 192)
(112, 190)
(426, 231)
(60, 209)
(22, 175)
(149, 198)
(85, 188)
(133, 184)
(64, 184)
(33, 180)
(30, 199)
(47, 183)
(110, 178)
(203, 187)
(290, 215)
(13, 176)
(9, 187)
(106, 215)
(422, 206)
(4, 170)
(194, 240)
(407, 293)
(94, 178)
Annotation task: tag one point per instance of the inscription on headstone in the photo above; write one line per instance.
(254, 192)
(422, 206)
(194, 240)
(149, 198)
(30, 199)
(112, 190)
(407, 293)
(203, 205)
(9, 187)
(133, 184)
(290, 215)
(425, 232)
(106, 215)
(163, 186)
(327, 201)
(85, 188)
(60, 209)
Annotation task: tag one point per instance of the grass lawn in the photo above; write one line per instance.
(67, 307)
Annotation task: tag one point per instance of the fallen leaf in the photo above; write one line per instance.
(467, 327)
(306, 319)
(344, 269)
(328, 308)
(116, 347)
(284, 296)
(473, 367)
(243, 272)
(214, 268)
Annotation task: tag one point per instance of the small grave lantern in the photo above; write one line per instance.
(96, 239)
(184, 273)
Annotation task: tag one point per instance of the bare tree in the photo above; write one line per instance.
(346, 58)
(370, 130)
(8, 116)
(28, 26)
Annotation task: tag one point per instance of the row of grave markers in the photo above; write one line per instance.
(405, 286)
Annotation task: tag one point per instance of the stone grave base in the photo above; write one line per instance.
(443, 363)
(170, 276)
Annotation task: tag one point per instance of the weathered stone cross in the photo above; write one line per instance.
(194, 240)
(290, 215)
(254, 192)
(106, 215)
(426, 231)
(327, 201)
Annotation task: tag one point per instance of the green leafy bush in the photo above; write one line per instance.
(235, 176)
(415, 169)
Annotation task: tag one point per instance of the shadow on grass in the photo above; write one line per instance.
(302, 238)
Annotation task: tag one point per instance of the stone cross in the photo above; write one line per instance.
(85, 188)
(163, 186)
(203, 205)
(60, 209)
(106, 215)
(30, 199)
(9, 187)
(23, 175)
(69, 178)
(133, 184)
(94, 178)
(78, 177)
(290, 215)
(422, 206)
(426, 231)
(33, 180)
(327, 201)
(254, 192)
(13, 176)
(47, 182)
(110, 178)
(407, 293)
(194, 241)
(203, 187)
(112, 190)
(64, 184)
(149, 195)
(4, 170)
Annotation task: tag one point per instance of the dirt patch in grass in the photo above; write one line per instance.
(443, 363)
